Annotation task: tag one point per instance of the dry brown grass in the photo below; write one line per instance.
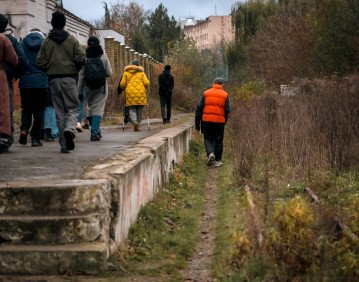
(317, 127)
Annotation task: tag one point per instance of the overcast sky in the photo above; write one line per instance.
(180, 9)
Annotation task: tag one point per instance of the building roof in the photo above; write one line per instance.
(71, 15)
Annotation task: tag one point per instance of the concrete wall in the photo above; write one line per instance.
(135, 180)
(72, 225)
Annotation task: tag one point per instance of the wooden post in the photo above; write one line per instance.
(255, 218)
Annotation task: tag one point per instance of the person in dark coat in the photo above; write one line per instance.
(33, 90)
(12, 72)
(7, 55)
(211, 116)
(166, 84)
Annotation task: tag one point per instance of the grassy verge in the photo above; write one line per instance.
(230, 222)
(300, 240)
(165, 233)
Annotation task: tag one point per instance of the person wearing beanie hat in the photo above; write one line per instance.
(135, 82)
(212, 113)
(58, 20)
(92, 82)
(61, 57)
(12, 72)
(166, 84)
(93, 41)
(135, 62)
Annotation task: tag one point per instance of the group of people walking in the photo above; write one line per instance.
(51, 72)
(55, 73)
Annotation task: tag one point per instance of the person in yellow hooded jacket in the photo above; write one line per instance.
(135, 82)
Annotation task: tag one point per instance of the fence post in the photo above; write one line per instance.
(110, 52)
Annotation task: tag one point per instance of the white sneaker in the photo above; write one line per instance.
(79, 127)
(211, 158)
(217, 163)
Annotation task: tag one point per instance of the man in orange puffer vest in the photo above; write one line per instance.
(211, 116)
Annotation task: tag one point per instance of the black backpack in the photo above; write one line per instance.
(95, 73)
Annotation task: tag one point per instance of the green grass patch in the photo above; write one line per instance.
(166, 231)
(300, 240)
(230, 222)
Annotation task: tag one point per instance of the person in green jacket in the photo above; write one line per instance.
(62, 58)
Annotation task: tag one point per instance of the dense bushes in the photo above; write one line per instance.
(189, 67)
(305, 136)
(280, 40)
(316, 127)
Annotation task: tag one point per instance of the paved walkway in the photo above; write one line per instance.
(46, 162)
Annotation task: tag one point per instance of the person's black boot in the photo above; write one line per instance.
(43, 134)
(23, 137)
(69, 140)
(95, 137)
(35, 142)
(48, 135)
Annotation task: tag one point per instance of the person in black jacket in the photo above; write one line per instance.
(166, 84)
(33, 90)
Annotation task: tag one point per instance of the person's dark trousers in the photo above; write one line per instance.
(11, 97)
(165, 101)
(213, 138)
(33, 102)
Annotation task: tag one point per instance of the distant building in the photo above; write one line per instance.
(209, 32)
(189, 21)
(25, 15)
(109, 33)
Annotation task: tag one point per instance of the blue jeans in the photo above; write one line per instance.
(50, 121)
(83, 111)
(135, 113)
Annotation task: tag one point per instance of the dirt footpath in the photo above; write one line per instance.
(199, 265)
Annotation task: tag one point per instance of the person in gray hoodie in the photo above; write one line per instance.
(62, 58)
(33, 90)
(96, 95)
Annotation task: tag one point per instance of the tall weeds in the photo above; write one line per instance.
(316, 127)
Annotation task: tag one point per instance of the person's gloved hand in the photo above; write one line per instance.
(119, 90)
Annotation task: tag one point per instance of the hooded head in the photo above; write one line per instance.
(93, 41)
(167, 67)
(58, 20)
(3, 23)
(218, 80)
(34, 39)
(94, 48)
(135, 62)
